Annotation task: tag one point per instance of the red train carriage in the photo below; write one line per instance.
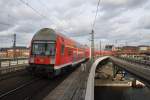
(51, 52)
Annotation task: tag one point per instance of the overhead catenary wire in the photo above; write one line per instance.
(7, 24)
(45, 6)
(97, 9)
(36, 11)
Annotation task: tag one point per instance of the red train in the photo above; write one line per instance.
(51, 52)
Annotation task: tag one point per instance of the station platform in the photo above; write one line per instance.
(73, 87)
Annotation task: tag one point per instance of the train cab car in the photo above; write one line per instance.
(50, 52)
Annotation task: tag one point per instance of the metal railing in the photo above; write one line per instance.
(9, 64)
(134, 60)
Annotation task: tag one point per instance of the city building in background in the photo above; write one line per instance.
(144, 49)
(109, 47)
(20, 51)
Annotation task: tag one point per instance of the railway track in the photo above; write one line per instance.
(35, 88)
(10, 82)
(19, 87)
(13, 74)
(142, 62)
(28, 90)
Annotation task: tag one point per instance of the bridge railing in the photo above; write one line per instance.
(139, 61)
(9, 65)
(90, 83)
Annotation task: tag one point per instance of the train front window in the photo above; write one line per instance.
(47, 49)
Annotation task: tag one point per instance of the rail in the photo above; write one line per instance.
(18, 88)
(90, 83)
(9, 65)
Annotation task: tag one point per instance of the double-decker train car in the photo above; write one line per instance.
(51, 52)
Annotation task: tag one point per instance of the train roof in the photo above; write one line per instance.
(50, 34)
(45, 34)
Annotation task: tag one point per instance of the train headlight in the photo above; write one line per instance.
(32, 60)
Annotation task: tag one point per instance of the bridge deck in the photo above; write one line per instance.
(139, 71)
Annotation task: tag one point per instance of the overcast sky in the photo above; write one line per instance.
(118, 21)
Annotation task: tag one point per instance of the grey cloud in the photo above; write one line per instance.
(27, 27)
(127, 4)
(23, 39)
(6, 21)
(113, 8)
(4, 26)
(135, 3)
(144, 22)
(74, 17)
(111, 14)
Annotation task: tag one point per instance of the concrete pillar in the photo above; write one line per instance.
(114, 70)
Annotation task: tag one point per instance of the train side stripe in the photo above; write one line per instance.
(78, 61)
(60, 66)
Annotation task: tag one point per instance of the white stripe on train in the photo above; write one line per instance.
(64, 65)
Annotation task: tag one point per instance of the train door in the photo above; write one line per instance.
(62, 53)
(70, 54)
(75, 54)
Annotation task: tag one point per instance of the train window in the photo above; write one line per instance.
(69, 51)
(62, 50)
(47, 49)
(50, 49)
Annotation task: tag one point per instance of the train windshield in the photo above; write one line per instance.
(44, 49)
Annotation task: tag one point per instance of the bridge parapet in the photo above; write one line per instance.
(9, 65)
(136, 60)
(90, 83)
